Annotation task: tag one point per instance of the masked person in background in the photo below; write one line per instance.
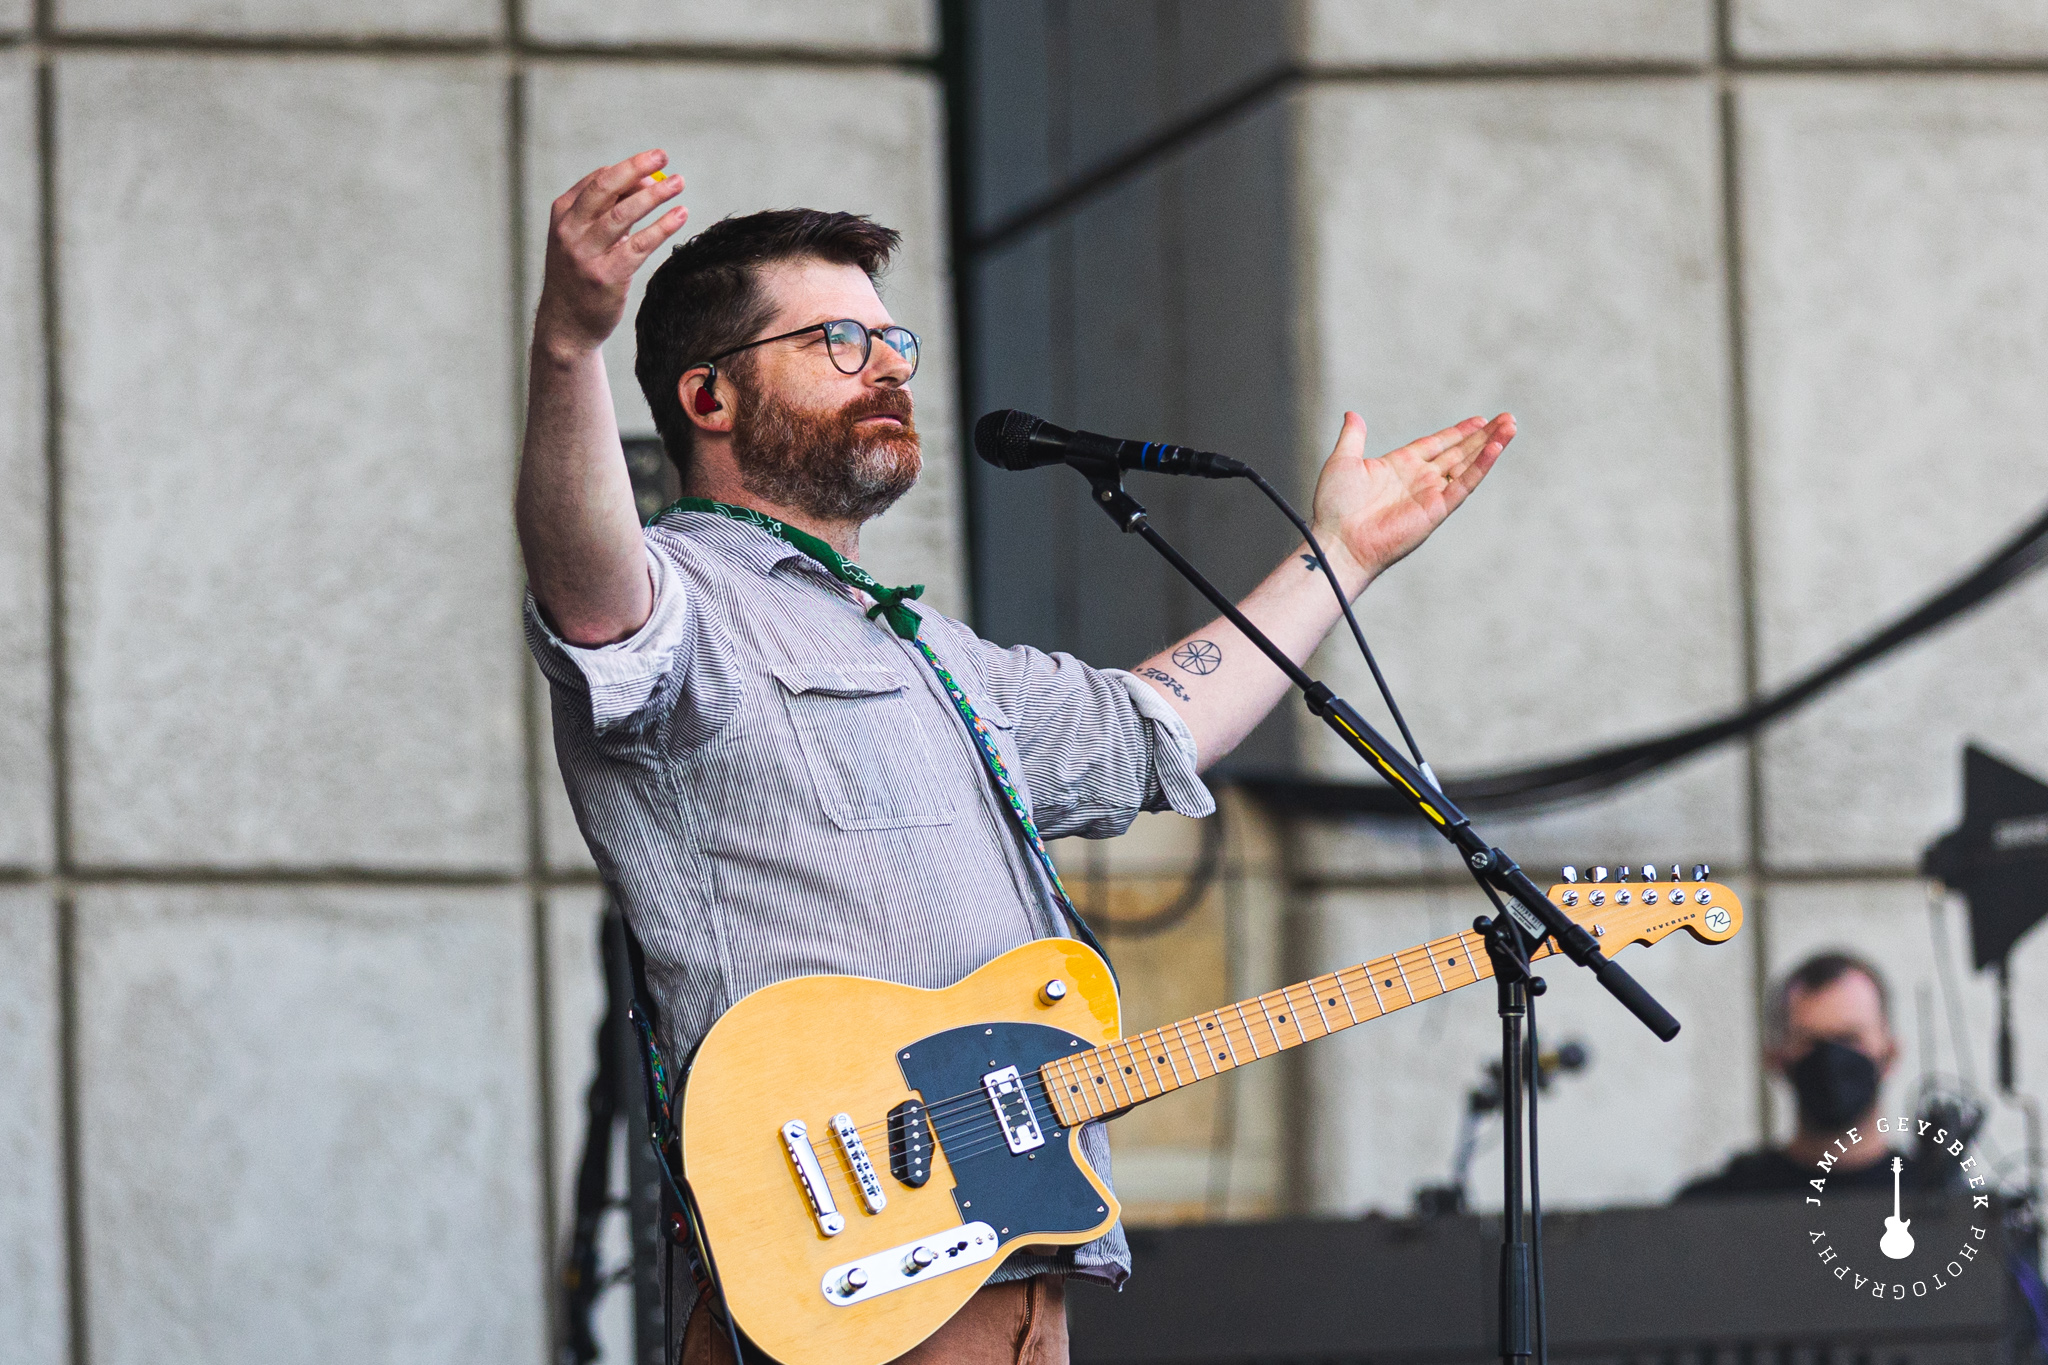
(1830, 1037)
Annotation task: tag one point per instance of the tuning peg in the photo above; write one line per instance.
(1599, 874)
(1700, 872)
(1623, 875)
(1571, 874)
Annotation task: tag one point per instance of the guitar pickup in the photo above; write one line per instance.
(871, 1196)
(910, 1144)
(796, 1140)
(1013, 1108)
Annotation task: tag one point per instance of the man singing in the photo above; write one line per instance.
(784, 767)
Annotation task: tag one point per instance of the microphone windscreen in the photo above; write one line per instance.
(1003, 438)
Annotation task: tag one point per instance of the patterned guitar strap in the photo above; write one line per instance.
(901, 619)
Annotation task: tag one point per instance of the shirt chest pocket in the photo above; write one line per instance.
(864, 742)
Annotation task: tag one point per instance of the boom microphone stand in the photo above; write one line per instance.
(1526, 916)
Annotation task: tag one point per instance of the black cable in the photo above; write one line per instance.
(1344, 605)
(1536, 1190)
(1603, 769)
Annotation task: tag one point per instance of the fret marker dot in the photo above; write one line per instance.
(1390, 982)
(1219, 1056)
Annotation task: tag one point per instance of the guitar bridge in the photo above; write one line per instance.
(796, 1140)
(1013, 1109)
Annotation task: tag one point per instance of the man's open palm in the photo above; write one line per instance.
(1380, 509)
(593, 251)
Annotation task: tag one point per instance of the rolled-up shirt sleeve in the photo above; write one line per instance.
(616, 682)
(1097, 745)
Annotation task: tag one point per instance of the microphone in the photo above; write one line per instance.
(1009, 439)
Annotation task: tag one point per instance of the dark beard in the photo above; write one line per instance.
(819, 463)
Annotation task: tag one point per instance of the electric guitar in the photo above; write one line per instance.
(864, 1155)
(1896, 1243)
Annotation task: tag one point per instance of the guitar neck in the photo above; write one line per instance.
(1114, 1077)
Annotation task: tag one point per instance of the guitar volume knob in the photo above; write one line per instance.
(920, 1258)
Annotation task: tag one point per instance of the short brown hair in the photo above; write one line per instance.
(706, 297)
(1817, 973)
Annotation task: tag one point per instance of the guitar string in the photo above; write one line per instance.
(1425, 953)
(951, 1105)
(1400, 961)
(1414, 956)
(985, 1137)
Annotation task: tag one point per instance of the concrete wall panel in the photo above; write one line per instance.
(1552, 250)
(360, 19)
(287, 436)
(1385, 1098)
(1896, 258)
(25, 793)
(1997, 29)
(1508, 32)
(755, 137)
(881, 27)
(34, 1311)
(311, 1125)
(1061, 90)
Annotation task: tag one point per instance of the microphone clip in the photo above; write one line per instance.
(1110, 495)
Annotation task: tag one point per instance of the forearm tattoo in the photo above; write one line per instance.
(1312, 562)
(1165, 680)
(1199, 657)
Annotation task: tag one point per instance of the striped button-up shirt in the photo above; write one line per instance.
(774, 785)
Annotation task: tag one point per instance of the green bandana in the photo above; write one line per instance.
(888, 601)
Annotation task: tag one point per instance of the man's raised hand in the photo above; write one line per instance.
(1379, 510)
(593, 251)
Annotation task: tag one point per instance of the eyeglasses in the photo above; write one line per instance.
(848, 342)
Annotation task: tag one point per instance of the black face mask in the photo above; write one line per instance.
(1834, 1083)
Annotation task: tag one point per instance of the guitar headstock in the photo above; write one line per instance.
(1623, 911)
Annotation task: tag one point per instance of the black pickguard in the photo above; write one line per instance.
(1042, 1190)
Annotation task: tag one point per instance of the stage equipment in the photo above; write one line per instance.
(1998, 860)
(1436, 1201)
(863, 1155)
(1522, 917)
(1721, 1282)
(615, 1096)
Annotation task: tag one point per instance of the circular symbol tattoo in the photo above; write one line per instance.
(1199, 657)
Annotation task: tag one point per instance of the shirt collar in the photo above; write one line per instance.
(759, 550)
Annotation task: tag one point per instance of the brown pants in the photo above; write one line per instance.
(1022, 1322)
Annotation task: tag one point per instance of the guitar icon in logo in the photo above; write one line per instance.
(1896, 1243)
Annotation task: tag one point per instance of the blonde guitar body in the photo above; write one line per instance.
(816, 1046)
(865, 1155)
